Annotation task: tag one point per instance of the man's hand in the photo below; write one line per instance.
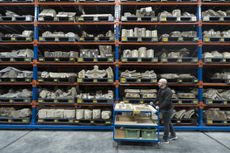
(156, 107)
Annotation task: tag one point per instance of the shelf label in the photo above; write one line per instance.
(136, 112)
(194, 18)
(41, 59)
(206, 18)
(180, 39)
(165, 39)
(41, 39)
(40, 101)
(80, 59)
(124, 38)
(70, 100)
(179, 60)
(79, 100)
(164, 19)
(27, 59)
(123, 80)
(206, 39)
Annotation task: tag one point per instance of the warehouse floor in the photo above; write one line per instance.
(101, 142)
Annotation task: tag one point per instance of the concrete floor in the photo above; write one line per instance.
(101, 142)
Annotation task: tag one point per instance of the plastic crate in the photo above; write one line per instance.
(120, 133)
(132, 133)
(149, 134)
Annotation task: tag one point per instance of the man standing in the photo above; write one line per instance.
(164, 101)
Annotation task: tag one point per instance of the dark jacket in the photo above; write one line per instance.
(164, 97)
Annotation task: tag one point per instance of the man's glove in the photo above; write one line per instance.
(152, 104)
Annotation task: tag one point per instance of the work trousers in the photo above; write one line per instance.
(168, 127)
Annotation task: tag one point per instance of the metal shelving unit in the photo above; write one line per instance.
(117, 64)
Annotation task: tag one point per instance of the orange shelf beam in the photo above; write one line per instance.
(76, 43)
(16, 83)
(157, 43)
(74, 64)
(16, 4)
(16, 43)
(159, 3)
(158, 23)
(215, 23)
(16, 23)
(17, 63)
(76, 3)
(217, 43)
(216, 64)
(14, 104)
(216, 85)
(76, 23)
(155, 84)
(216, 4)
(157, 64)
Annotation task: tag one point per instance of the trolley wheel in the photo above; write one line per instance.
(115, 144)
(158, 145)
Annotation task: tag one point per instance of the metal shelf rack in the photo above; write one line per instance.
(116, 64)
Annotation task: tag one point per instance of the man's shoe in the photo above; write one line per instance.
(173, 138)
(165, 141)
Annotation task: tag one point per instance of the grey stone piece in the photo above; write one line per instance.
(25, 33)
(98, 95)
(189, 114)
(60, 93)
(24, 93)
(47, 12)
(18, 53)
(88, 114)
(215, 114)
(105, 51)
(66, 14)
(10, 72)
(105, 115)
(13, 113)
(149, 75)
(109, 72)
(81, 74)
(139, 32)
(169, 76)
(130, 74)
(96, 114)
(79, 114)
(180, 114)
(95, 73)
(45, 74)
(211, 12)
